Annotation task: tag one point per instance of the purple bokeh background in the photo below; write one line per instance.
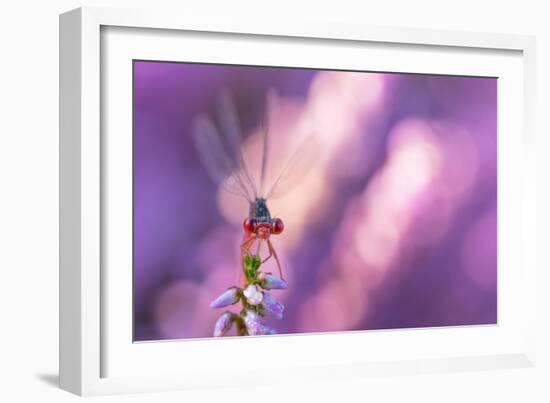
(394, 227)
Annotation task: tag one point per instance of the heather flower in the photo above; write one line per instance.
(254, 326)
(252, 316)
(229, 297)
(272, 306)
(255, 302)
(223, 324)
(271, 282)
(253, 294)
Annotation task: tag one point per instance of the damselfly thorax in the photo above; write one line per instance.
(260, 222)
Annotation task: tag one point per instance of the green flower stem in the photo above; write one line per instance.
(241, 328)
(252, 265)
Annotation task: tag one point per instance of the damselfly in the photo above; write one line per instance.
(219, 143)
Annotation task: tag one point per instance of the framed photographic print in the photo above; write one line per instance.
(300, 196)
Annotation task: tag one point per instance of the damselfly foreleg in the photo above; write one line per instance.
(247, 244)
(268, 256)
(274, 253)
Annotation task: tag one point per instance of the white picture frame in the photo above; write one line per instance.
(89, 337)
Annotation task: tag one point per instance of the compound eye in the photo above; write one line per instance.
(278, 226)
(249, 225)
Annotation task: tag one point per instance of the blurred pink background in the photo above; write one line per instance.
(394, 227)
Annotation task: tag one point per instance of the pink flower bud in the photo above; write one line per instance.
(254, 326)
(229, 297)
(272, 306)
(223, 324)
(271, 282)
(253, 294)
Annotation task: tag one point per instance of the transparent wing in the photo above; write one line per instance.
(221, 153)
(231, 130)
(264, 133)
(221, 166)
(272, 103)
(296, 168)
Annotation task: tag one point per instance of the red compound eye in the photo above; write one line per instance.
(277, 226)
(249, 225)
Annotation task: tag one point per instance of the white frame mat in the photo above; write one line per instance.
(97, 355)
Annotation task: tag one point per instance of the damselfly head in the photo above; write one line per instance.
(263, 228)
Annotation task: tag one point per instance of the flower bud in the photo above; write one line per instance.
(271, 282)
(253, 295)
(223, 324)
(272, 306)
(252, 316)
(229, 297)
(254, 326)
